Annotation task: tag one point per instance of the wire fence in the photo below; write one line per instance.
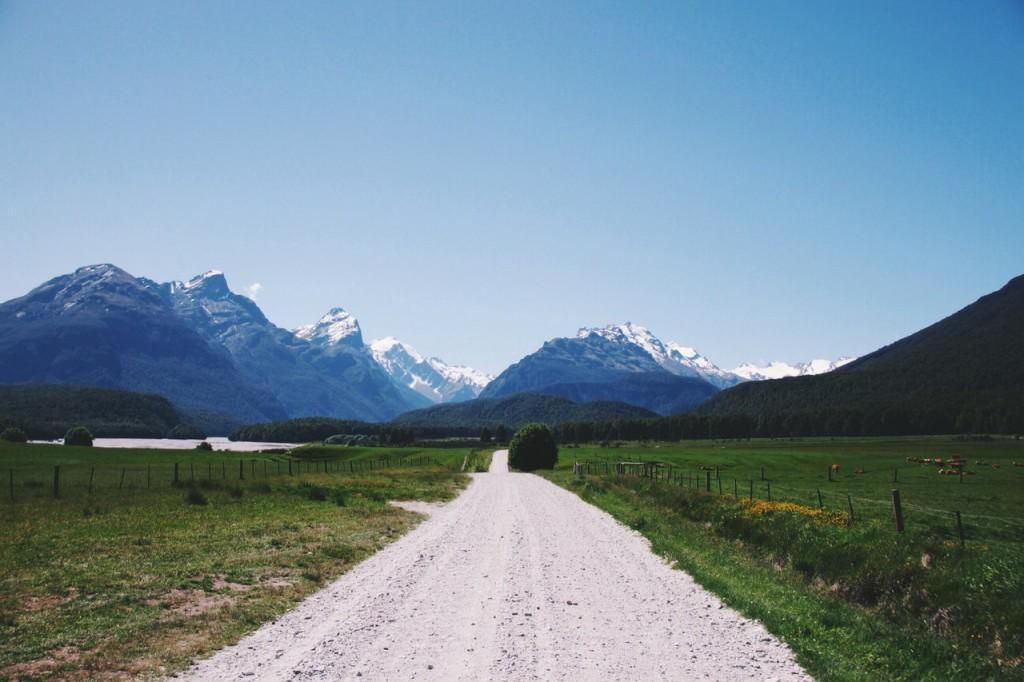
(59, 480)
(894, 509)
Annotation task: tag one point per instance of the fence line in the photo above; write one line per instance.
(709, 480)
(31, 481)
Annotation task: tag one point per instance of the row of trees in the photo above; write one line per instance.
(891, 422)
(820, 423)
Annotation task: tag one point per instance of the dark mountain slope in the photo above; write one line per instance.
(963, 373)
(48, 411)
(516, 410)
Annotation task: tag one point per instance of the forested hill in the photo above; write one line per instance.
(48, 411)
(519, 409)
(962, 374)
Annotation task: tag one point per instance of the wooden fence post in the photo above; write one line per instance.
(92, 473)
(895, 475)
(121, 484)
(707, 477)
(751, 490)
(762, 473)
(769, 491)
(241, 470)
(959, 528)
(719, 486)
(821, 505)
(735, 489)
(849, 501)
(149, 475)
(56, 480)
(175, 481)
(829, 474)
(897, 510)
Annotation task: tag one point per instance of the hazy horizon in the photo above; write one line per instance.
(790, 183)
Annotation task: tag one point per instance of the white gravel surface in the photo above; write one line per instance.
(516, 579)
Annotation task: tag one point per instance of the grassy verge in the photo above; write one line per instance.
(478, 461)
(137, 581)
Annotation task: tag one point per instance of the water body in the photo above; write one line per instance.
(219, 443)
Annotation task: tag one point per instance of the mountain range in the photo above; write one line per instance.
(213, 353)
(204, 347)
(628, 363)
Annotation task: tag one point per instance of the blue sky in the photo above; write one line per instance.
(772, 180)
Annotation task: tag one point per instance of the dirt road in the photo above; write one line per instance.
(515, 579)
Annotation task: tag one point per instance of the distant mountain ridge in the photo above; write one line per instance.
(625, 362)
(207, 348)
(779, 370)
(322, 369)
(199, 344)
(670, 356)
(594, 367)
(432, 378)
(99, 326)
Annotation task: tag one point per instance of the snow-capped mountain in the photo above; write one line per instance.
(432, 377)
(604, 367)
(324, 369)
(676, 358)
(780, 370)
(338, 326)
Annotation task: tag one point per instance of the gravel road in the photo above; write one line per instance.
(516, 579)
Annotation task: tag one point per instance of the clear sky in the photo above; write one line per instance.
(770, 180)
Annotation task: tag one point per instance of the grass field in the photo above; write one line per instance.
(854, 598)
(139, 576)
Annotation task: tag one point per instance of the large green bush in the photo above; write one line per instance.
(78, 435)
(533, 447)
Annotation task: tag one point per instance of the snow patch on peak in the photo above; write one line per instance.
(432, 378)
(337, 326)
(780, 370)
(389, 347)
(461, 373)
(673, 357)
(200, 279)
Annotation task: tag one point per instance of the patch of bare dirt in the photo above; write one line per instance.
(41, 667)
(192, 603)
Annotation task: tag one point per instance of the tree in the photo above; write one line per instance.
(12, 434)
(533, 447)
(501, 434)
(78, 435)
(485, 435)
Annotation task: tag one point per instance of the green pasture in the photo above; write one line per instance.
(136, 580)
